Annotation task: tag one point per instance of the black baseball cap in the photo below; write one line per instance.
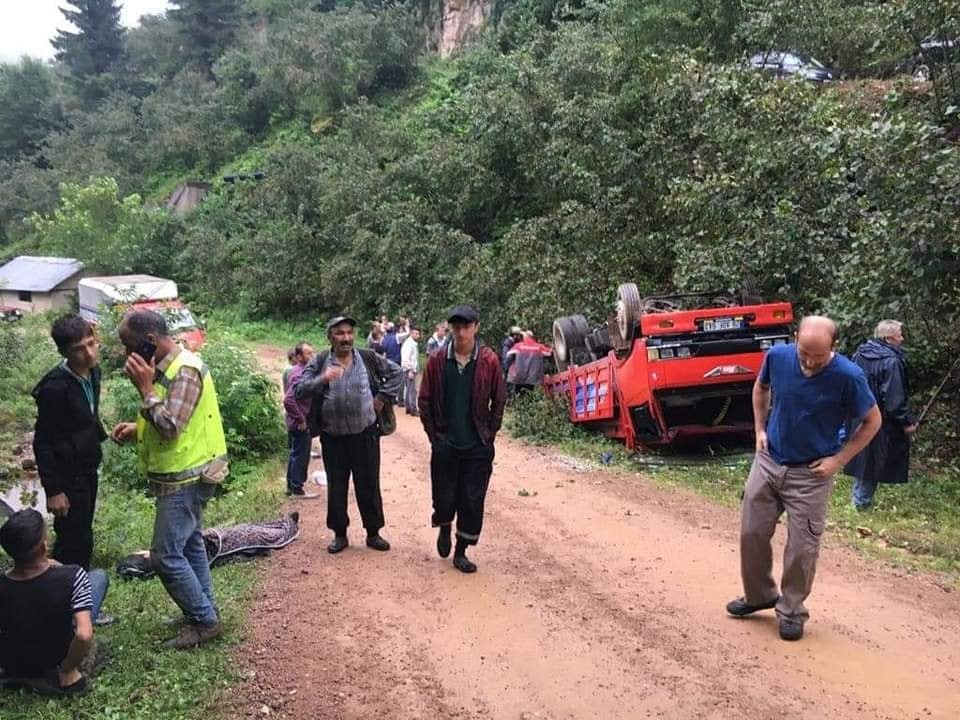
(463, 313)
(334, 321)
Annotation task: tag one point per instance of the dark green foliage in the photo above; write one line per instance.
(542, 418)
(153, 53)
(206, 28)
(28, 108)
(94, 50)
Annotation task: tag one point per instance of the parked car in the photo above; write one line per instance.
(788, 64)
(934, 52)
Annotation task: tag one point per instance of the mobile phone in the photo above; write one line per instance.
(146, 350)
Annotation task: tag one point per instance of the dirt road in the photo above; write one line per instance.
(598, 596)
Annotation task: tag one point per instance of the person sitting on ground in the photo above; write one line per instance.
(525, 363)
(47, 611)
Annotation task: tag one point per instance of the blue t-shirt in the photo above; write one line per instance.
(808, 412)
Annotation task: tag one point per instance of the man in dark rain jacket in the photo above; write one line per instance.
(887, 458)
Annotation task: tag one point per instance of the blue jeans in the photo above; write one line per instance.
(99, 582)
(179, 555)
(863, 492)
(299, 461)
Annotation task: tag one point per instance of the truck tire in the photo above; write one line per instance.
(569, 334)
(628, 310)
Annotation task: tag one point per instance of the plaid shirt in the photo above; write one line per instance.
(170, 415)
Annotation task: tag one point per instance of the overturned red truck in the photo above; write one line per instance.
(667, 368)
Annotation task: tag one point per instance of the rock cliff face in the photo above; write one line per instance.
(452, 23)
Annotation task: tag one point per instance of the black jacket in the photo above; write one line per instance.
(887, 458)
(66, 442)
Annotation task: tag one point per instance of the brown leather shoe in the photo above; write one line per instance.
(192, 635)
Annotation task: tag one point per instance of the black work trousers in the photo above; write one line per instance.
(357, 455)
(74, 545)
(459, 480)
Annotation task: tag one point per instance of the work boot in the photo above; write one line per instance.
(339, 543)
(460, 561)
(443, 541)
(790, 630)
(377, 543)
(192, 635)
(740, 608)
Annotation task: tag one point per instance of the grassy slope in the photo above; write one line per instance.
(143, 680)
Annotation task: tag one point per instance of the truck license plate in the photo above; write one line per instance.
(727, 323)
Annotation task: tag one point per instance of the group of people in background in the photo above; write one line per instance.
(345, 396)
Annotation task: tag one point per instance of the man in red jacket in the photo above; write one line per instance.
(461, 403)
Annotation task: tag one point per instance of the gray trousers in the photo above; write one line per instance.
(771, 489)
(409, 392)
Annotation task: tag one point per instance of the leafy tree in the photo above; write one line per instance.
(185, 127)
(154, 54)
(108, 141)
(28, 107)
(207, 28)
(95, 49)
(109, 234)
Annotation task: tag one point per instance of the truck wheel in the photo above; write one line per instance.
(569, 334)
(628, 310)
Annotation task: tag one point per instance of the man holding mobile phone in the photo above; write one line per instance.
(183, 453)
(67, 437)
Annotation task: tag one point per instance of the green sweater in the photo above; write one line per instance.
(457, 396)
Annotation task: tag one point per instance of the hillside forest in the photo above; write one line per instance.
(566, 146)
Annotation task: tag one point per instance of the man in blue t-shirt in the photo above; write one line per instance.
(815, 391)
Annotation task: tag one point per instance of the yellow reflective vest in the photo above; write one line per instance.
(201, 442)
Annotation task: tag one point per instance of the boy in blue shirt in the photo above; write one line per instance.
(815, 391)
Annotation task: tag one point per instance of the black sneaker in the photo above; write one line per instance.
(339, 543)
(377, 543)
(740, 608)
(301, 494)
(791, 630)
(443, 541)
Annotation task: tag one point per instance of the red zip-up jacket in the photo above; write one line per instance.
(489, 396)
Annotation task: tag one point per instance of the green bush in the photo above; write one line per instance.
(542, 418)
(109, 234)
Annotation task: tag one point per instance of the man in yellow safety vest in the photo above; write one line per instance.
(182, 451)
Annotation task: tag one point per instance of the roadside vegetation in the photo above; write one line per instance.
(142, 679)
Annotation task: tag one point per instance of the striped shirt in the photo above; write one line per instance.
(82, 596)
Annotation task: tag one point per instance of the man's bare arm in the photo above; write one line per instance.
(761, 407)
